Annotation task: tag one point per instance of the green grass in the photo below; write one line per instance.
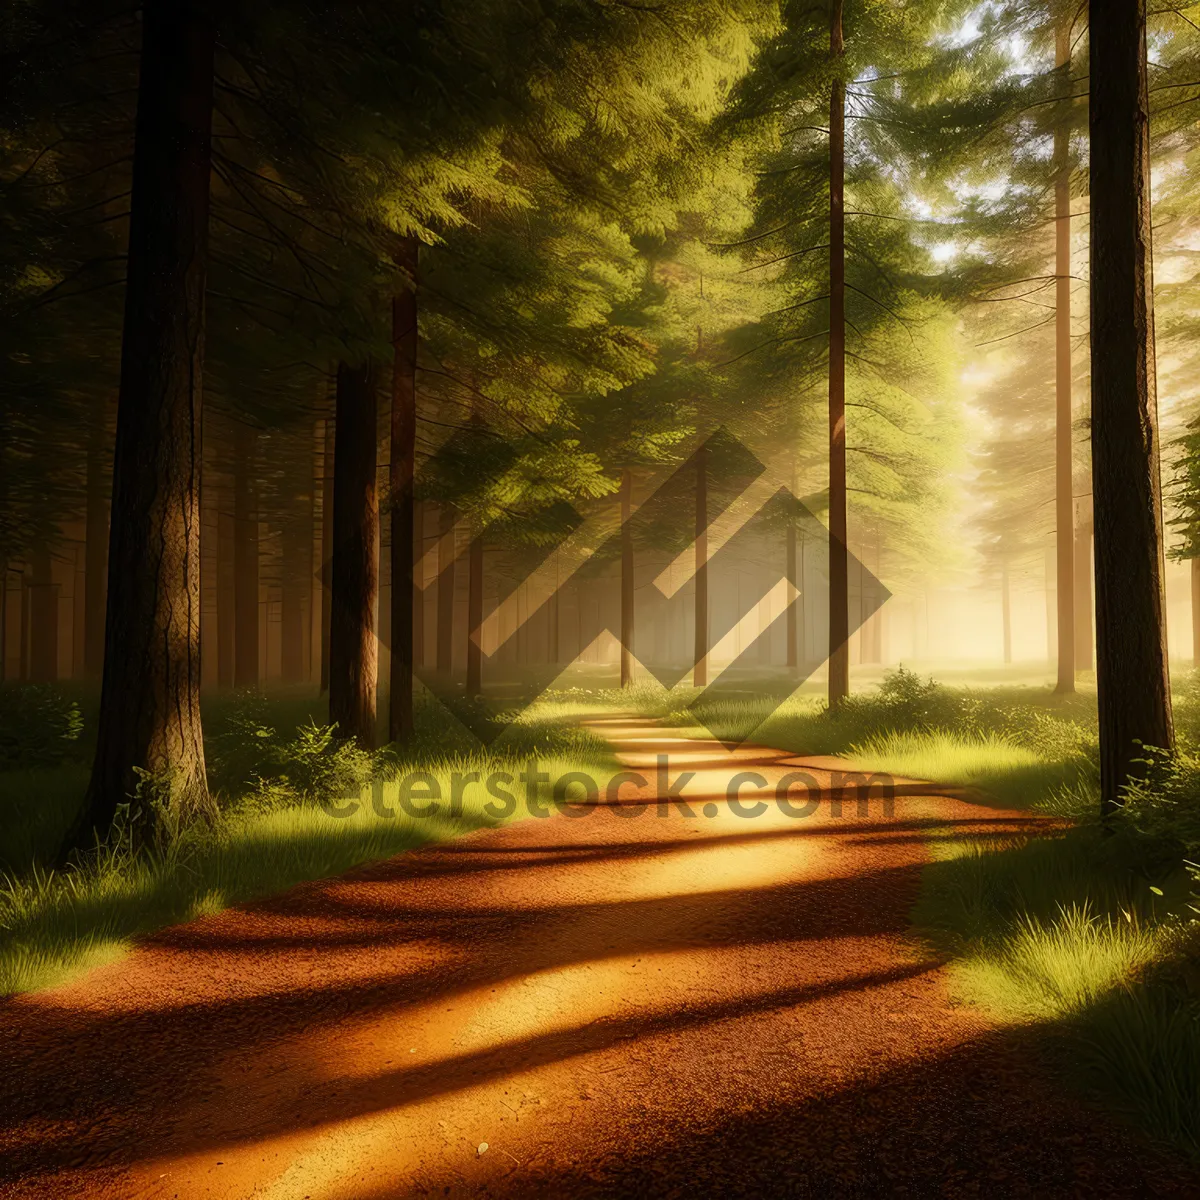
(1085, 936)
(1025, 747)
(1009, 773)
(54, 924)
(1080, 937)
(37, 804)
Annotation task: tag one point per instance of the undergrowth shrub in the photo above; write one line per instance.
(39, 726)
(256, 767)
(1163, 809)
(906, 703)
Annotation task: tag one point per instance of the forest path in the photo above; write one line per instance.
(625, 1004)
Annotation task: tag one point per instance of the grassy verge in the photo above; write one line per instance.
(1024, 746)
(1082, 935)
(1087, 936)
(294, 806)
(1012, 774)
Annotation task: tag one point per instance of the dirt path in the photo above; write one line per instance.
(618, 1005)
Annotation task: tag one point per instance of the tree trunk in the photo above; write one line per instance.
(327, 548)
(43, 617)
(839, 582)
(793, 640)
(353, 653)
(297, 537)
(1083, 596)
(1131, 659)
(401, 475)
(210, 546)
(419, 585)
(626, 579)
(880, 626)
(522, 634)
(700, 652)
(245, 561)
(96, 543)
(226, 596)
(78, 611)
(871, 622)
(1195, 577)
(474, 617)
(314, 635)
(554, 649)
(3, 620)
(883, 644)
(1064, 501)
(445, 589)
(23, 631)
(1049, 565)
(150, 696)
(1005, 613)
(802, 611)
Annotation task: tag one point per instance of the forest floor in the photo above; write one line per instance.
(631, 1002)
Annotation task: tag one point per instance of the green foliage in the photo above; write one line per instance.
(1022, 749)
(1164, 807)
(1184, 492)
(1072, 933)
(912, 701)
(39, 726)
(268, 835)
(38, 805)
(253, 762)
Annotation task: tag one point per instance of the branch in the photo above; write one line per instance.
(783, 257)
(891, 312)
(792, 307)
(758, 237)
(1016, 333)
(773, 342)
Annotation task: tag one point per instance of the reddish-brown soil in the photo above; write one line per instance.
(623, 1004)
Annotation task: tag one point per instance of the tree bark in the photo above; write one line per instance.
(802, 612)
(554, 648)
(401, 475)
(315, 633)
(297, 538)
(23, 631)
(150, 695)
(1083, 595)
(793, 639)
(445, 589)
(1049, 566)
(626, 579)
(353, 652)
(245, 560)
(95, 555)
(3, 620)
(1131, 659)
(327, 547)
(226, 593)
(1195, 578)
(419, 585)
(700, 651)
(872, 639)
(43, 617)
(474, 617)
(1064, 500)
(839, 582)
